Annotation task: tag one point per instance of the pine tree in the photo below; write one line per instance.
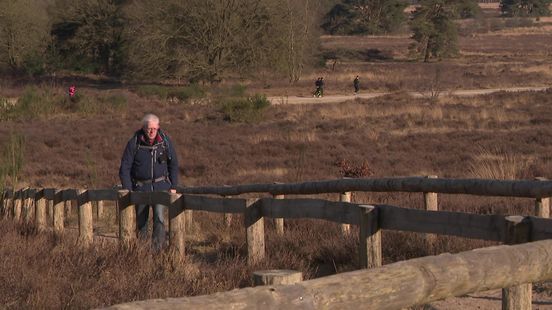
(433, 29)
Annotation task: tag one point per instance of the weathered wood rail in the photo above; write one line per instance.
(538, 188)
(371, 219)
(394, 286)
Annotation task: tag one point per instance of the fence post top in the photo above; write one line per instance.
(367, 207)
(123, 192)
(174, 197)
(516, 218)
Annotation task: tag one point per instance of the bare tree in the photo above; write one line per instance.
(24, 34)
(211, 40)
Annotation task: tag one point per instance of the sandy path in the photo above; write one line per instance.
(342, 98)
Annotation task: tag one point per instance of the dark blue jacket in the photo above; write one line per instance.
(143, 163)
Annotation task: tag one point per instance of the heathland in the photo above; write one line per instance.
(79, 144)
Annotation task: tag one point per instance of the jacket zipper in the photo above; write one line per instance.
(152, 163)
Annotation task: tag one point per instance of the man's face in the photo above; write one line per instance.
(151, 129)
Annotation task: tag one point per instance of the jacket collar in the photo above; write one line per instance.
(145, 140)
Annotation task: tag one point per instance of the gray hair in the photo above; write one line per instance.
(149, 118)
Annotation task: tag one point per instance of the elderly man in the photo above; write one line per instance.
(149, 164)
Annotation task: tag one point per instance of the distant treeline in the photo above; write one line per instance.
(211, 40)
(155, 39)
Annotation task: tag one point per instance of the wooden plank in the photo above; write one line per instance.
(210, 204)
(480, 187)
(394, 286)
(99, 209)
(345, 197)
(542, 204)
(430, 204)
(150, 198)
(467, 225)
(541, 228)
(28, 205)
(17, 205)
(49, 193)
(58, 216)
(127, 219)
(102, 194)
(276, 276)
(177, 230)
(370, 254)
(339, 212)
(86, 228)
(518, 297)
(254, 230)
(40, 211)
(69, 194)
(279, 222)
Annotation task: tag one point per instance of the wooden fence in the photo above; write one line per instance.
(394, 286)
(370, 219)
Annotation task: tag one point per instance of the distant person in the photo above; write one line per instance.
(356, 84)
(72, 92)
(317, 88)
(321, 87)
(149, 163)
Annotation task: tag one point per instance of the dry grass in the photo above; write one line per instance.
(292, 143)
(498, 164)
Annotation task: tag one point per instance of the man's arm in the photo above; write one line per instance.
(126, 165)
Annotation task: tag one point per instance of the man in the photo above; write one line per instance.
(321, 87)
(149, 164)
(356, 84)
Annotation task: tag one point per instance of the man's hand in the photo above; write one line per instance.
(172, 191)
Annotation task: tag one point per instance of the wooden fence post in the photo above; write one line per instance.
(277, 277)
(279, 222)
(99, 209)
(3, 196)
(542, 205)
(517, 230)
(86, 227)
(29, 205)
(370, 237)
(58, 216)
(50, 208)
(177, 222)
(345, 197)
(68, 206)
(228, 219)
(17, 204)
(189, 220)
(431, 204)
(24, 204)
(254, 229)
(127, 219)
(40, 211)
(8, 203)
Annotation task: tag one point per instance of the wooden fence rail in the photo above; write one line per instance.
(394, 286)
(480, 187)
(371, 219)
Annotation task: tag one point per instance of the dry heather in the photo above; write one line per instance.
(394, 135)
(502, 135)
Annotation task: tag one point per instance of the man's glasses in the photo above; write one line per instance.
(151, 129)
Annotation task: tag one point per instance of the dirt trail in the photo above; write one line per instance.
(342, 98)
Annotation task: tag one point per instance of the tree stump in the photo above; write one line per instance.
(276, 277)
